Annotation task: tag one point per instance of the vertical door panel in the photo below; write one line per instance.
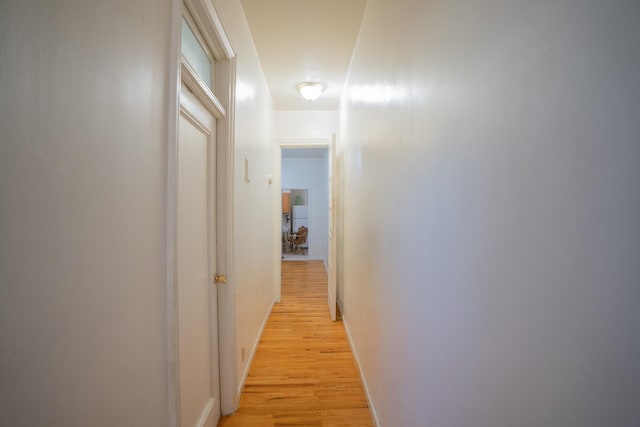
(198, 371)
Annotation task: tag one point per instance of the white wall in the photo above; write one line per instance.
(311, 173)
(255, 201)
(305, 125)
(84, 95)
(492, 207)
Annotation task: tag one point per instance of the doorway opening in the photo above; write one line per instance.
(305, 201)
(295, 170)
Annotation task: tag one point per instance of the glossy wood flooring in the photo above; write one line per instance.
(303, 373)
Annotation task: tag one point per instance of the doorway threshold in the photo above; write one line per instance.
(294, 257)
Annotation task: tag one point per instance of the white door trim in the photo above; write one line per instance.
(332, 247)
(229, 397)
(210, 26)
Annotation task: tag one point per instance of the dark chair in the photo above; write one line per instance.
(299, 238)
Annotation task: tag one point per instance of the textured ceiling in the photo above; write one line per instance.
(304, 40)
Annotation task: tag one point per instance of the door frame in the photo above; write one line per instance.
(221, 105)
(277, 231)
(332, 255)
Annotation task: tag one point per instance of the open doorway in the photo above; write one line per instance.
(305, 200)
(295, 170)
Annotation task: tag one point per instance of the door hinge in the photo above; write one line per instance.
(220, 278)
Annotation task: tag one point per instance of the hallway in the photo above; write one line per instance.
(303, 373)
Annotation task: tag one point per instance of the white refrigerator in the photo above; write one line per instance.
(300, 216)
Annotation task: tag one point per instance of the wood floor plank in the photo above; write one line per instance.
(303, 373)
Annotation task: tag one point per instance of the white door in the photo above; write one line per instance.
(332, 273)
(198, 369)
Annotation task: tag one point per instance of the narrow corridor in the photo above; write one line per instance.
(303, 373)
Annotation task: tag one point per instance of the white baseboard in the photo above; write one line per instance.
(245, 374)
(372, 406)
(206, 413)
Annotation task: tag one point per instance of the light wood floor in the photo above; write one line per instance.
(303, 373)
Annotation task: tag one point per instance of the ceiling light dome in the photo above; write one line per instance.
(310, 90)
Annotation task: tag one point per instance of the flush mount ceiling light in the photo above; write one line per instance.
(310, 90)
